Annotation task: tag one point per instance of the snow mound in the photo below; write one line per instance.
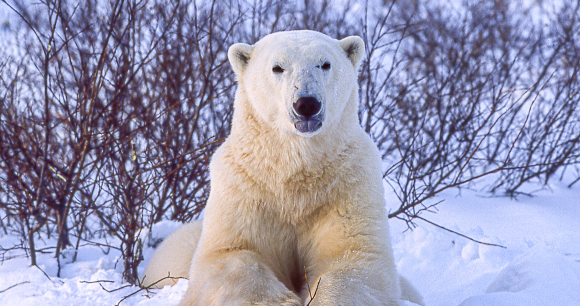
(540, 276)
(444, 267)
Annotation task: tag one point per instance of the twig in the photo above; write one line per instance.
(50, 279)
(459, 234)
(308, 286)
(97, 282)
(160, 280)
(574, 182)
(22, 283)
(100, 282)
(149, 287)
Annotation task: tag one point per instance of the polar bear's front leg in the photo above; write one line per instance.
(352, 263)
(235, 277)
(350, 286)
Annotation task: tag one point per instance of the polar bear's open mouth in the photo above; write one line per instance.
(308, 126)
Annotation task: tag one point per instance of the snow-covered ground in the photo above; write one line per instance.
(539, 266)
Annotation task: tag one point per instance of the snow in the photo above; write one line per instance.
(523, 281)
(539, 266)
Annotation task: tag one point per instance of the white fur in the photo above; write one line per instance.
(286, 204)
(173, 257)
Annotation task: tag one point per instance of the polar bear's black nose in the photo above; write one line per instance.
(307, 106)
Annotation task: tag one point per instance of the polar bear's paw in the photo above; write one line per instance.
(283, 299)
(290, 301)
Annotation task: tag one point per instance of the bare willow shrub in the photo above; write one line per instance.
(109, 118)
(455, 91)
(550, 139)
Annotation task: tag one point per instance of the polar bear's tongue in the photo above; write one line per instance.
(308, 126)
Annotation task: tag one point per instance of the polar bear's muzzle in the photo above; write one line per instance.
(308, 114)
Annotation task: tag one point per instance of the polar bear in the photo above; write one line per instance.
(296, 214)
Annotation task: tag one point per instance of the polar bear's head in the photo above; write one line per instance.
(298, 81)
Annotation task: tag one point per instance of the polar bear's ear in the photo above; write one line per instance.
(354, 47)
(239, 57)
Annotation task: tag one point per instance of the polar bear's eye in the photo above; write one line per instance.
(277, 69)
(325, 66)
